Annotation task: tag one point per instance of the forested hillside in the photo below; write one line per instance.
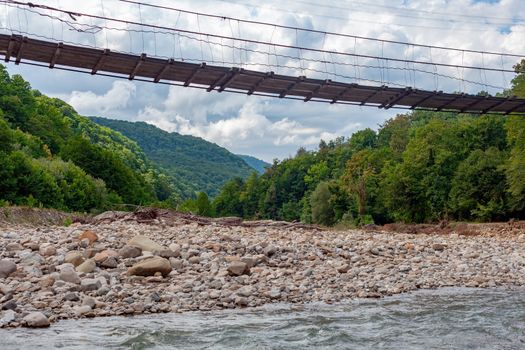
(193, 163)
(257, 164)
(51, 156)
(418, 167)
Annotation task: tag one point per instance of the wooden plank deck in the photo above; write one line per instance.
(218, 78)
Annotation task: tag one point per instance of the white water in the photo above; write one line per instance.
(443, 319)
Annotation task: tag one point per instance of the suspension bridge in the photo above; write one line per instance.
(212, 77)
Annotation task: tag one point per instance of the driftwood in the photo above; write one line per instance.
(154, 215)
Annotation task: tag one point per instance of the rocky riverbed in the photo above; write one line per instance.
(121, 264)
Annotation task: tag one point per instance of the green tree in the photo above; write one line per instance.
(394, 133)
(363, 139)
(203, 205)
(322, 208)
(362, 178)
(515, 165)
(250, 195)
(104, 165)
(228, 202)
(478, 186)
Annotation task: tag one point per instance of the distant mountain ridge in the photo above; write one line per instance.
(255, 163)
(193, 163)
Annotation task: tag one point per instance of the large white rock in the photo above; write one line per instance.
(74, 257)
(69, 275)
(145, 243)
(87, 266)
(36, 319)
(149, 267)
(7, 267)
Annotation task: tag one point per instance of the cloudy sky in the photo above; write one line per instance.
(264, 127)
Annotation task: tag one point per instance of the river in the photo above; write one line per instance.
(449, 318)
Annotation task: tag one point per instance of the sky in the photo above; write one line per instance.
(271, 128)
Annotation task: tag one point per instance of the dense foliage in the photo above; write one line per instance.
(418, 167)
(53, 157)
(192, 163)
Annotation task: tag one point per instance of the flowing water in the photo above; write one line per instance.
(449, 318)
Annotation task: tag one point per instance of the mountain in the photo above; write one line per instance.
(193, 163)
(255, 163)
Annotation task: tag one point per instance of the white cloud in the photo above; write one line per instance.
(269, 127)
(250, 129)
(89, 103)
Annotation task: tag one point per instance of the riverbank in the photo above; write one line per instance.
(123, 264)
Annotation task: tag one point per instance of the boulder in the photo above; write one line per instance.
(31, 245)
(31, 258)
(149, 267)
(90, 284)
(75, 257)
(71, 296)
(194, 260)
(237, 268)
(69, 275)
(7, 317)
(110, 263)
(177, 264)
(100, 256)
(36, 320)
(241, 301)
(9, 305)
(104, 255)
(270, 250)
(13, 247)
(343, 268)
(81, 310)
(87, 266)
(245, 291)
(129, 251)
(7, 267)
(438, 247)
(249, 261)
(47, 249)
(5, 289)
(91, 302)
(168, 253)
(89, 235)
(274, 293)
(145, 243)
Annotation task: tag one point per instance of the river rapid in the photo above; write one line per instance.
(448, 318)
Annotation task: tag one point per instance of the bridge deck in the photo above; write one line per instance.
(226, 79)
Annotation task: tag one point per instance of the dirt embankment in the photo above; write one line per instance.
(36, 216)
